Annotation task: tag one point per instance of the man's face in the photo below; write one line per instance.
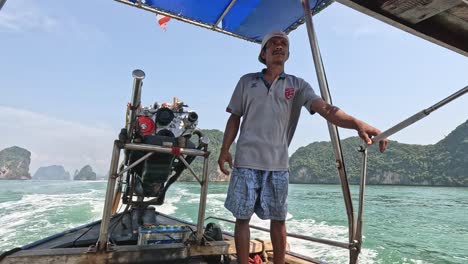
(276, 51)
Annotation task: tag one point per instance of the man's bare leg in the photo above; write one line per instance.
(278, 239)
(242, 239)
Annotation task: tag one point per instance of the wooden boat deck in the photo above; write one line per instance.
(77, 246)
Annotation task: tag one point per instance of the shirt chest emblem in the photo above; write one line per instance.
(289, 93)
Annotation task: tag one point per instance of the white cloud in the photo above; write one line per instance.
(53, 141)
(18, 16)
(28, 16)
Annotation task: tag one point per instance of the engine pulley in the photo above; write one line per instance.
(164, 116)
(146, 125)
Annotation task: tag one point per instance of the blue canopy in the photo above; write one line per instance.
(247, 19)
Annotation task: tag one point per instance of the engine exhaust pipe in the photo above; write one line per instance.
(138, 76)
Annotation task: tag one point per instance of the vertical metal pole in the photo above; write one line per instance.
(106, 214)
(138, 76)
(203, 194)
(335, 140)
(2, 2)
(354, 253)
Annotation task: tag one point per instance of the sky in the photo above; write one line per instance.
(65, 76)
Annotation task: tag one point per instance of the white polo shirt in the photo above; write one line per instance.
(269, 119)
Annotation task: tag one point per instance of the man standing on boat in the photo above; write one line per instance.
(269, 103)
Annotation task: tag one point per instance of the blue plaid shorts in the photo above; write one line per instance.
(262, 192)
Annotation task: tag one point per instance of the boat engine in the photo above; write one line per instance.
(158, 144)
(168, 125)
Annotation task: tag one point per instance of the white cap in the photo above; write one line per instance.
(265, 40)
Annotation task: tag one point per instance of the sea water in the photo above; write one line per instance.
(401, 224)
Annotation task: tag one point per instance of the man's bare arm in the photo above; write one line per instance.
(338, 117)
(230, 133)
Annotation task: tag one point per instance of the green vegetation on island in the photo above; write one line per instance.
(442, 164)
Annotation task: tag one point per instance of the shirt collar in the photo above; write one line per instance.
(262, 75)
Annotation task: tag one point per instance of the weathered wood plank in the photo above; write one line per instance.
(228, 248)
(289, 259)
(460, 11)
(134, 254)
(172, 253)
(415, 11)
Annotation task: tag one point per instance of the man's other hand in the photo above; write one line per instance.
(224, 157)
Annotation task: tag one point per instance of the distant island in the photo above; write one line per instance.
(442, 164)
(85, 174)
(15, 161)
(14, 164)
(54, 172)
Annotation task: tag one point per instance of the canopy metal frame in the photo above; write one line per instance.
(186, 20)
(354, 240)
(216, 27)
(2, 2)
(418, 116)
(355, 226)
